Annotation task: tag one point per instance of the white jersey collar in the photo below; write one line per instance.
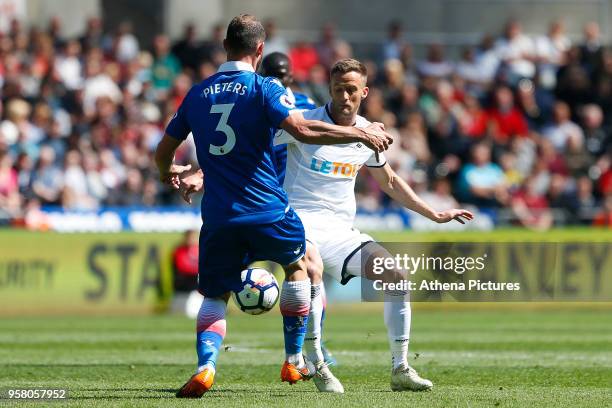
(235, 66)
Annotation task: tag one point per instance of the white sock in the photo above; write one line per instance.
(397, 320)
(312, 342)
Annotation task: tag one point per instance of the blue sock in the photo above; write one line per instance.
(207, 347)
(294, 328)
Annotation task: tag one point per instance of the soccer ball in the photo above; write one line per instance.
(259, 291)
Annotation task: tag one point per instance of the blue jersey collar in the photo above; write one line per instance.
(235, 66)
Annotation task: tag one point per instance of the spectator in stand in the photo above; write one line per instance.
(212, 49)
(98, 84)
(604, 216)
(525, 152)
(550, 51)
(317, 86)
(75, 184)
(440, 196)
(392, 84)
(392, 47)
(435, 65)
(165, 66)
(54, 31)
(328, 45)
(96, 189)
(561, 196)
(408, 102)
(17, 126)
(591, 47)
(577, 158)
(531, 207)
(506, 120)
(513, 178)
(473, 119)
(68, 66)
(535, 104)
(187, 299)
(94, 36)
(407, 59)
(598, 140)
(574, 86)
(24, 167)
(47, 178)
(303, 58)
(413, 142)
(487, 59)
(274, 43)
(601, 79)
(562, 129)
(550, 159)
(10, 200)
(587, 206)
(482, 182)
(471, 72)
(188, 50)
(126, 43)
(517, 52)
(130, 192)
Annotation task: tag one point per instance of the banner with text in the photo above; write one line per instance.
(46, 273)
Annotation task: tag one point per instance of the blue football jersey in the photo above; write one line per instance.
(233, 115)
(303, 103)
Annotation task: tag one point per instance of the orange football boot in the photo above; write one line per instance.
(197, 385)
(292, 374)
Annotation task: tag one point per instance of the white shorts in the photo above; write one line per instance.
(339, 246)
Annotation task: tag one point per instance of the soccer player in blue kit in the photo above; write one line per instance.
(278, 65)
(233, 116)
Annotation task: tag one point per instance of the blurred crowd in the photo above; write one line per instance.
(518, 123)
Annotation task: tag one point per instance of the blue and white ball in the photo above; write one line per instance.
(259, 291)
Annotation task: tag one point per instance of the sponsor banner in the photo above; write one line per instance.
(178, 219)
(485, 271)
(162, 219)
(46, 273)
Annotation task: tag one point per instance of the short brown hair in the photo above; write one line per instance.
(346, 65)
(244, 33)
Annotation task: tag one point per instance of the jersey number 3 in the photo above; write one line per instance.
(224, 109)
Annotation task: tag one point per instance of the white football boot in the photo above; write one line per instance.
(326, 381)
(405, 378)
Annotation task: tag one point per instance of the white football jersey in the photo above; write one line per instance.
(320, 179)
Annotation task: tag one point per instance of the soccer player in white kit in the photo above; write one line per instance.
(320, 183)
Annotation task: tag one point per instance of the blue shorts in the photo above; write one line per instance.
(226, 251)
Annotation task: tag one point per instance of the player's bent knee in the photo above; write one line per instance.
(314, 264)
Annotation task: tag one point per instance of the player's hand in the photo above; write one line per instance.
(378, 125)
(192, 184)
(375, 137)
(458, 215)
(172, 177)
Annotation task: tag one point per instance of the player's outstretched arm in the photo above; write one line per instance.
(322, 133)
(401, 192)
(169, 173)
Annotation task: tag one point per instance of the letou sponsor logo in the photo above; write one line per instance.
(334, 168)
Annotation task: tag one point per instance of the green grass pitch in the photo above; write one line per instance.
(476, 357)
(485, 355)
